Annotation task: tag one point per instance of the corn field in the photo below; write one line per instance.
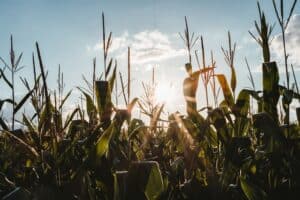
(244, 147)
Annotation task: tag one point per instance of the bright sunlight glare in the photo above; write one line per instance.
(165, 93)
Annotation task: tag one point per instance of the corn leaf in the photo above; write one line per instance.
(3, 124)
(5, 100)
(65, 99)
(132, 104)
(28, 124)
(252, 191)
(90, 107)
(155, 185)
(30, 148)
(233, 79)
(103, 96)
(275, 139)
(226, 90)
(5, 79)
(242, 105)
(108, 68)
(270, 88)
(70, 118)
(23, 100)
(112, 79)
(156, 116)
(103, 142)
(217, 118)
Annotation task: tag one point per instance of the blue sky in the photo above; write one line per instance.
(68, 32)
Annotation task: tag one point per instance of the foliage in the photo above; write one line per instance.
(228, 152)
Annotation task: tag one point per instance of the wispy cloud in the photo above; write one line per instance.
(292, 42)
(118, 43)
(149, 46)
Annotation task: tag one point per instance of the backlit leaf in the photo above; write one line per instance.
(226, 90)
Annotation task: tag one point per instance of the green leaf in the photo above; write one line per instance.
(252, 191)
(265, 123)
(242, 105)
(5, 79)
(45, 117)
(156, 116)
(65, 99)
(28, 124)
(116, 187)
(144, 181)
(103, 98)
(283, 89)
(63, 155)
(298, 114)
(233, 79)
(7, 101)
(212, 136)
(275, 139)
(135, 126)
(217, 118)
(22, 142)
(112, 79)
(108, 68)
(90, 107)
(18, 60)
(132, 104)
(241, 126)
(226, 90)
(18, 193)
(3, 124)
(191, 127)
(155, 185)
(23, 100)
(103, 142)
(70, 118)
(58, 121)
(270, 89)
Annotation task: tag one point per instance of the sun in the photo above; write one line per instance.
(165, 93)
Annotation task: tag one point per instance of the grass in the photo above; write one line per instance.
(99, 151)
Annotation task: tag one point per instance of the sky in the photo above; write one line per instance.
(69, 34)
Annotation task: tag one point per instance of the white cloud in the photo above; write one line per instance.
(246, 41)
(118, 43)
(292, 42)
(149, 46)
